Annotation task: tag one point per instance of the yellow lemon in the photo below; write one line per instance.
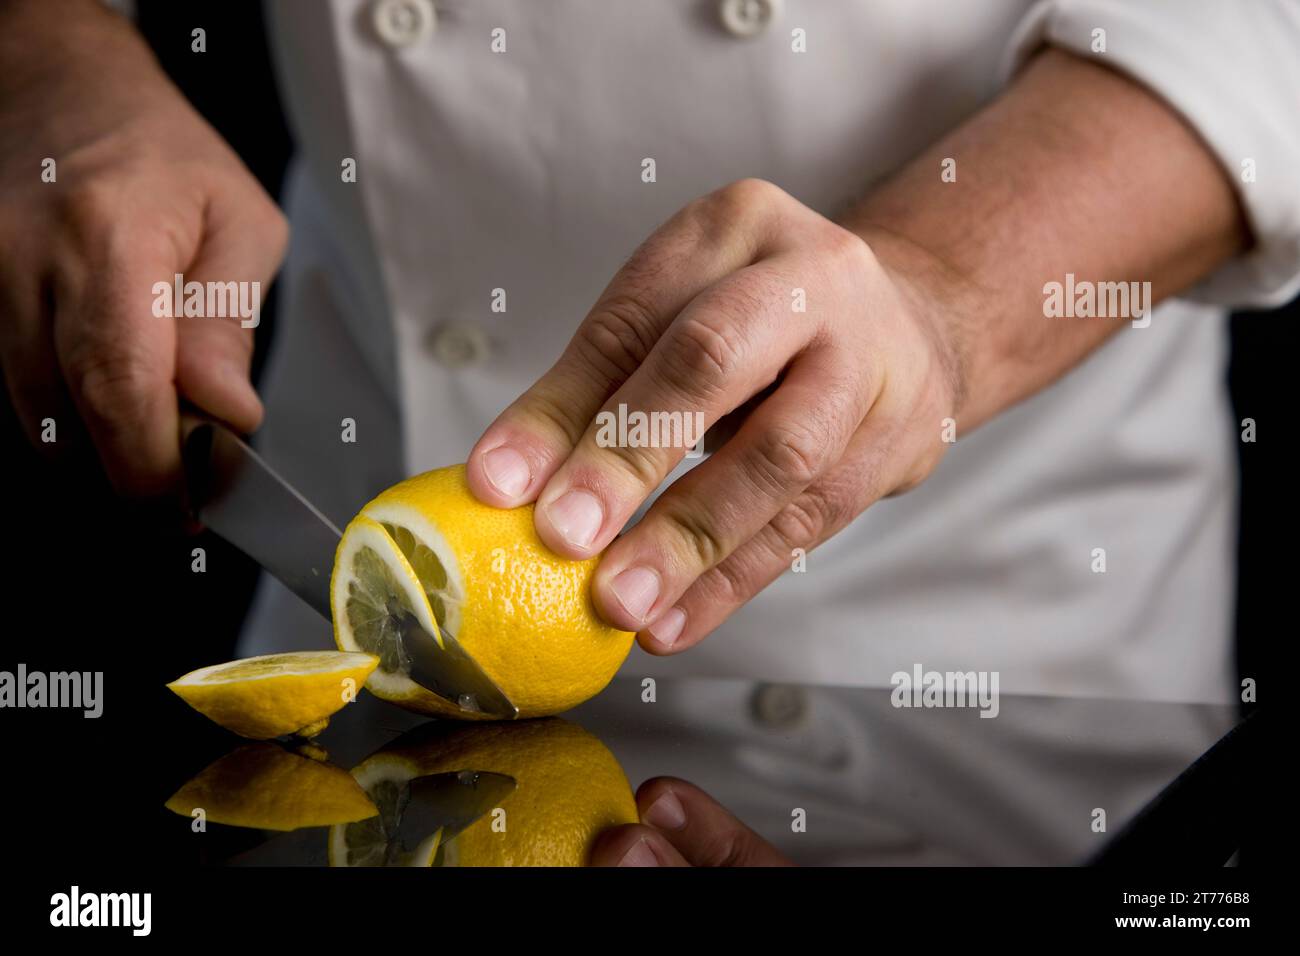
(266, 787)
(275, 694)
(427, 547)
(568, 789)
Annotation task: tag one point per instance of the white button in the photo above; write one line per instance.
(403, 22)
(748, 18)
(779, 706)
(459, 345)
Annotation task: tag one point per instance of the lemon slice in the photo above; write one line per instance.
(275, 694)
(266, 787)
(375, 841)
(372, 589)
(426, 546)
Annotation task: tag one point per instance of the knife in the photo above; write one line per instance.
(233, 491)
(450, 802)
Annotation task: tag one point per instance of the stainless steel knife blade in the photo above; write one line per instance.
(451, 802)
(239, 496)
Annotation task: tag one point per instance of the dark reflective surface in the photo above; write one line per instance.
(872, 783)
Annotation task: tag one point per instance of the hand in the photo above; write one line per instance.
(144, 189)
(703, 319)
(682, 826)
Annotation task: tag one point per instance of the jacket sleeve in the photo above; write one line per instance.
(1231, 68)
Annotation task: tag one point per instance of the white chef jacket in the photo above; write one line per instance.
(521, 170)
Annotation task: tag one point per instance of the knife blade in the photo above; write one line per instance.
(242, 499)
(451, 802)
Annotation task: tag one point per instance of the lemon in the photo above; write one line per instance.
(266, 787)
(427, 547)
(568, 789)
(275, 694)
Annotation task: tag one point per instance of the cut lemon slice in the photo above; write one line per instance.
(373, 589)
(266, 787)
(275, 694)
(378, 841)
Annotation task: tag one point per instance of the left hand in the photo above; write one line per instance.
(703, 318)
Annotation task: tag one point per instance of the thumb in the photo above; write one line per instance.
(213, 359)
(226, 285)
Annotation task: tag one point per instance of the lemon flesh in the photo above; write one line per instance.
(523, 613)
(266, 787)
(569, 788)
(276, 694)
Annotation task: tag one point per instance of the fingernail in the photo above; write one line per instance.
(668, 628)
(507, 470)
(636, 589)
(666, 813)
(639, 854)
(577, 516)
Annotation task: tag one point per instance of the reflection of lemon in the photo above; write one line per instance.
(522, 612)
(262, 697)
(266, 787)
(568, 788)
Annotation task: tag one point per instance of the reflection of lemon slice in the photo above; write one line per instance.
(266, 787)
(262, 697)
(568, 789)
(522, 612)
(376, 842)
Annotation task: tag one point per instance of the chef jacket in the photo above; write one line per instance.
(500, 145)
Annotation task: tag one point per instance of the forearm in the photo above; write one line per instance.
(1074, 170)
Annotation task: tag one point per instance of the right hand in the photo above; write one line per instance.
(145, 189)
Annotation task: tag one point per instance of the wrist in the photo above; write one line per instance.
(941, 298)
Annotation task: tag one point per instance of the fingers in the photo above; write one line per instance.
(118, 360)
(214, 353)
(862, 476)
(634, 845)
(708, 240)
(683, 826)
(31, 368)
(729, 343)
(790, 440)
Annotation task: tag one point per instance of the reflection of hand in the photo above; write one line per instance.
(682, 826)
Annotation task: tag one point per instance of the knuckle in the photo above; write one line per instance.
(111, 383)
(734, 204)
(552, 414)
(703, 352)
(847, 246)
(745, 195)
(640, 466)
(618, 335)
(734, 847)
(89, 209)
(703, 544)
(803, 521)
(791, 455)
